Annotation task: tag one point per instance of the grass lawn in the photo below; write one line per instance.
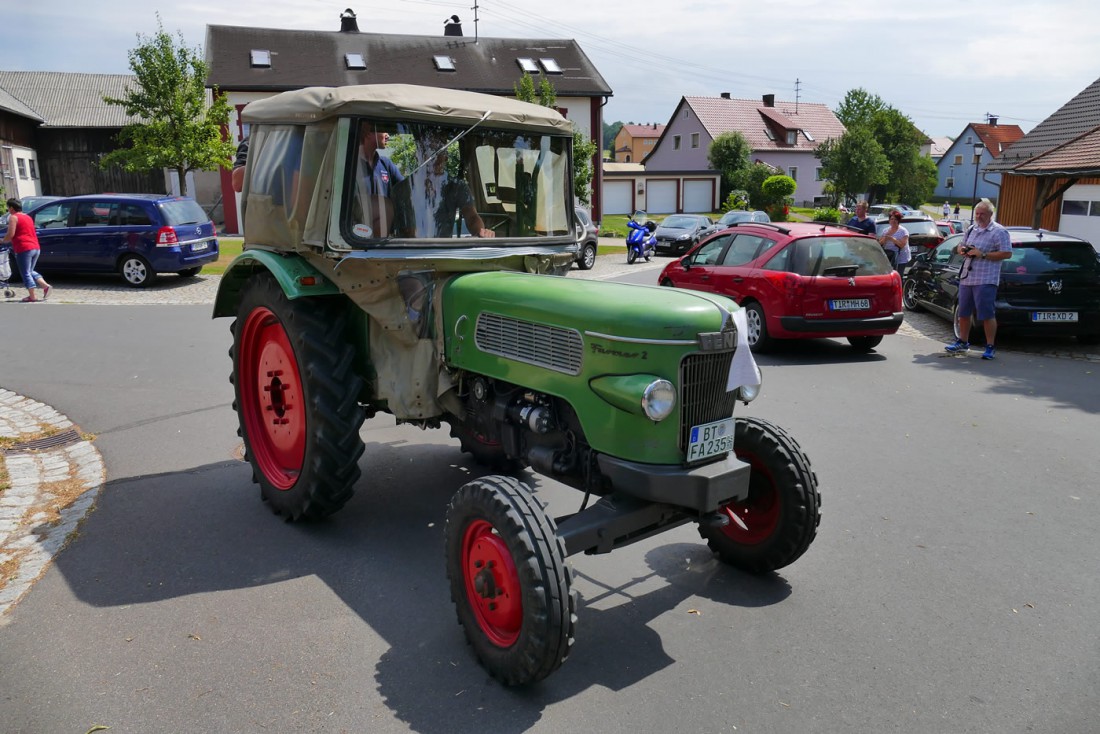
(228, 248)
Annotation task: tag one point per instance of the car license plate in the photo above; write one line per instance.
(1061, 316)
(710, 439)
(850, 304)
(200, 246)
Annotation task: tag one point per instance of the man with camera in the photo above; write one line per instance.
(984, 246)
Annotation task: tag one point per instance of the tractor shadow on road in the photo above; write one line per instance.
(188, 534)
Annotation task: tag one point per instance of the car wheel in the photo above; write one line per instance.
(759, 341)
(975, 334)
(909, 296)
(667, 282)
(189, 272)
(509, 580)
(136, 271)
(588, 257)
(778, 520)
(864, 343)
(295, 392)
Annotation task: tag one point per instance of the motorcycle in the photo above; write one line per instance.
(640, 241)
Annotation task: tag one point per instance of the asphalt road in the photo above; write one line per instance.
(952, 586)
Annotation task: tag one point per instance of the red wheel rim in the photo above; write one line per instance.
(755, 519)
(271, 399)
(492, 584)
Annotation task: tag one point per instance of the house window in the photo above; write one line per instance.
(259, 58)
(793, 172)
(1094, 210)
(817, 173)
(22, 165)
(958, 160)
(354, 61)
(34, 168)
(551, 66)
(675, 142)
(792, 137)
(695, 140)
(769, 133)
(444, 63)
(528, 65)
(807, 136)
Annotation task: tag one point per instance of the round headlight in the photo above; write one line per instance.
(659, 399)
(748, 393)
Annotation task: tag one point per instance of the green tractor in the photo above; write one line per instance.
(403, 254)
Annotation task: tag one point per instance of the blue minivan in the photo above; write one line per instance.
(135, 235)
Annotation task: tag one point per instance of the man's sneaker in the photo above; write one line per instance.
(958, 347)
(990, 352)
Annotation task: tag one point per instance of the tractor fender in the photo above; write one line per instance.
(295, 276)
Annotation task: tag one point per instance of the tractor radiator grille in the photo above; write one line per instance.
(703, 395)
(544, 346)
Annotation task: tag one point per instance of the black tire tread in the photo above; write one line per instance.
(317, 332)
(791, 468)
(550, 603)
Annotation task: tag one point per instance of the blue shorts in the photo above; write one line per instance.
(980, 298)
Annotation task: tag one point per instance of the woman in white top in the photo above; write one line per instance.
(895, 240)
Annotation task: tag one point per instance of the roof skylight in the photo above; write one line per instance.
(260, 58)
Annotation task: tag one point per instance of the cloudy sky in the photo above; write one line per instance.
(942, 63)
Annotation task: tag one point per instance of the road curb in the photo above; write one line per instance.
(35, 523)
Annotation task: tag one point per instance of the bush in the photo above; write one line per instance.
(827, 214)
(738, 199)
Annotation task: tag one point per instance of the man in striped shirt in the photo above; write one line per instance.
(983, 248)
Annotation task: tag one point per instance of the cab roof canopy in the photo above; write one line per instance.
(404, 102)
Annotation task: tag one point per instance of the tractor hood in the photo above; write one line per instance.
(589, 306)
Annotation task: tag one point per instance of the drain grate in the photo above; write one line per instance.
(49, 442)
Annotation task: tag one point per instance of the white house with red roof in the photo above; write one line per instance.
(783, 135)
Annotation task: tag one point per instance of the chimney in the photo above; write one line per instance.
(347, 22)
(992, 119)
(725, 95)
(452, 26)
(769, 100)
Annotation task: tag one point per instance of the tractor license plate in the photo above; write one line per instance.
(710, 439)
(850, 304)
(1060, 316)
(200, 246)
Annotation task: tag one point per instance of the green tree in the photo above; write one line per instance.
(176, 127)
(901, 143)
(584, 148)
(858, 108)
(853, 163)
(752, 181)
(729, 154)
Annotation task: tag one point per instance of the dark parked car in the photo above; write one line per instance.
(586, 256)
(924, 235)
(135, 235)
(797, 281)
(1049, 287)
(733, 217)
(680, 232)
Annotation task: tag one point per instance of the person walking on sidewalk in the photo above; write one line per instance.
(983, 248)
(24, 243)
(946, 209)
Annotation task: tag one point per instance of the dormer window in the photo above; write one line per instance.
(550, 66)
(259, 58)
(444, 63)
(528, 65)
(792, 137)
(354, 61)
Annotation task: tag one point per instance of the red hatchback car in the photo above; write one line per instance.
(797, 281)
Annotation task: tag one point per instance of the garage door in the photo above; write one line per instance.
(661, 197)
(617, 197)
(1081, 213)
(698, 197)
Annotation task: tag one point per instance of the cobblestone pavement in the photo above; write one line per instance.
(31, 530)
